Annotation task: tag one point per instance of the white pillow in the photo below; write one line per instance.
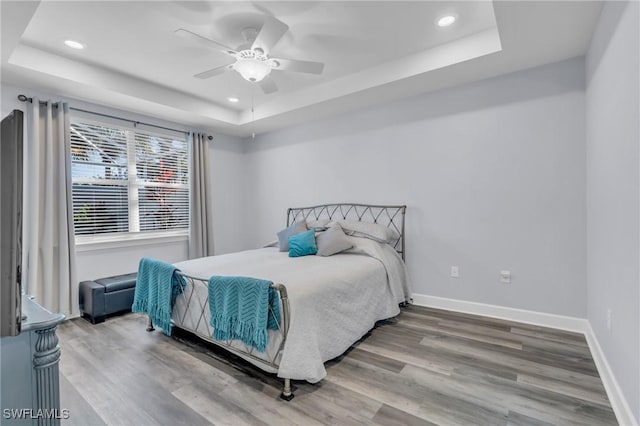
(318, 224)
(373, 231)
(295, 229)
(332, 241)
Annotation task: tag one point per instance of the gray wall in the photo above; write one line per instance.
(227, 178)
(613, 214)
(493, 174)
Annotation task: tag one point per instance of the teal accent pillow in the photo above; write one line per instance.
(283, 236)
(303, 244)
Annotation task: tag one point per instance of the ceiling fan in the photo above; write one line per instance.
(252, 60)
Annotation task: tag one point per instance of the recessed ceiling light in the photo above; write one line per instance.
(446, 20)
(74, 44)
(234, 100)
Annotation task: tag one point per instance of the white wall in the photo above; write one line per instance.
(227, 183)
(493, 174)
(613, 192)
(103, 262)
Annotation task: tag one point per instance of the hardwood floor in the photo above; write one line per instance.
(425, 367)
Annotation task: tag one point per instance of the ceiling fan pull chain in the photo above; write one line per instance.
(253, 115)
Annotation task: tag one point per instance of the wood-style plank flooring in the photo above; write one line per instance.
(425, 367)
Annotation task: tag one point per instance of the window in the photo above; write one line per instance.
(127, 181)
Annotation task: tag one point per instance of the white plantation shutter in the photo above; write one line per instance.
(127, 181)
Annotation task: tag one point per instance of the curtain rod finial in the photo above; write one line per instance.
(210, 137)
(23, 98)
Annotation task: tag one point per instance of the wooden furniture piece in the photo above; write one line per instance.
(29, 381)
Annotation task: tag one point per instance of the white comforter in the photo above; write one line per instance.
(334, 300)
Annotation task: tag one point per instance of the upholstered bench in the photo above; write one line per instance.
(105, 296)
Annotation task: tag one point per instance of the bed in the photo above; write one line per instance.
(326, 303)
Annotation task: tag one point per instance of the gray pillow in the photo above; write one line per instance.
(373, 231)
(332, 241)
(318, 224)
(295, 229)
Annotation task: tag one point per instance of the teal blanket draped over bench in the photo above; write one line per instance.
(239, 308)
(156, 286)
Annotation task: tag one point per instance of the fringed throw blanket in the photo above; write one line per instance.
(239, 309)
(156, 286)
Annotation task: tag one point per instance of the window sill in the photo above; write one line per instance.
(106, 242)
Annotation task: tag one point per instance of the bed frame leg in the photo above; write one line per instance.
(286, 394)
(150, 327)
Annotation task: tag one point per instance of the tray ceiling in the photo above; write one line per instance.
(373, 52)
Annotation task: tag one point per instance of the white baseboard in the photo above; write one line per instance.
(619, 403)
(578, 325)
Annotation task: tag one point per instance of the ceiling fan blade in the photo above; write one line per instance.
(271, 32)
(268, 85)
(212, 72)
(206, 41)
(298, 66)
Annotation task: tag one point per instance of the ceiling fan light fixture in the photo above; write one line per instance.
(252, 65)
(252, 59)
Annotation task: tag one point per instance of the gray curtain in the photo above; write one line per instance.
(200, 217)
(48, 240)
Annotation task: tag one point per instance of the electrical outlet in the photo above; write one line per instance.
(505, 277)
(609, 319)
(454, 272)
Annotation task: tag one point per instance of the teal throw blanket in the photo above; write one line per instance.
(156, 286)
(239, 309)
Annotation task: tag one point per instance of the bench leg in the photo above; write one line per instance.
(97, 320)
(150, 328)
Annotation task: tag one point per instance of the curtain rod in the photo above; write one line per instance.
(24, 98)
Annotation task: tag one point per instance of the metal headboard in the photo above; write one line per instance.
(389, 216)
